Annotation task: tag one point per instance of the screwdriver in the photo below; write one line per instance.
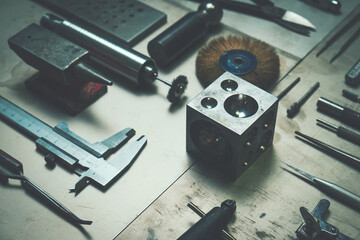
(340, 193)
(295, 107)
(341, 131)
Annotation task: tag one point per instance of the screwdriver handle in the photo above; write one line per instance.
(348, 135)
(171, 43)
(351, 117)
(340, 193)
(350, 95)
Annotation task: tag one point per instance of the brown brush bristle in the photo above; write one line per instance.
(263, 76)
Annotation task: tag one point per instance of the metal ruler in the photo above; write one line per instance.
(84, 158)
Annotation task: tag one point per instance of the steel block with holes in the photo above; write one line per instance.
(230, 124)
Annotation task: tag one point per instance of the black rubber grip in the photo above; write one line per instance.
(351, 117)
(348, 135)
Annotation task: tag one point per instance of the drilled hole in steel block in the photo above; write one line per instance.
(210, 141)
(241, 105)
(229, 85)
(209, 102)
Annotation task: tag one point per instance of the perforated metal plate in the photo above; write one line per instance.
(121, 21)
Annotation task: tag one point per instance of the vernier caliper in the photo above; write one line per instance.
(85, 159)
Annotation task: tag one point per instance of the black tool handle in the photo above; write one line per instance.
(327, 5)
(340, 193)
(350, 95)
(348, 135)
(351, 117)
(212, 223)
(171, 43)
(353, 76)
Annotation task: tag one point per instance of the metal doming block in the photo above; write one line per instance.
(230, 124)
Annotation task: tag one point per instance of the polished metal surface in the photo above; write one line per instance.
(149, 201)
(124, 21)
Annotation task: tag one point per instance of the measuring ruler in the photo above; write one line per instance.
(61, 144)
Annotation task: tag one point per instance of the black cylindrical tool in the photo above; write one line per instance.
(344, 114)
(353, 76)
(212, 223)
(181, 35)
(121, 60)
(341, 131)
(350, 95)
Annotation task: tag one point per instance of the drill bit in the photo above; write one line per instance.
(338, 192)
(295, 107)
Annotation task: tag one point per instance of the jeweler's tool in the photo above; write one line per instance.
(339, 34)
(295, 107)
(341, 131)
(286, 90)
(83, 158)
(350, 95)
(332, 189)
(344, 114)
(337, 153)
(171, 43)
(315, 228)
(266, 9)
(12, 168)
(346, 45)
(118, 59)
(224, 234)
(332, 6)
(352, 77)
(250, 59)
(212, 223)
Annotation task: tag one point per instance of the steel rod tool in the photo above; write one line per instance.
(336, 191)
(12, 168)
(344, 114)
(337, 153)
(59, 143)
(212, 223)
(340, 131)
(315, 228)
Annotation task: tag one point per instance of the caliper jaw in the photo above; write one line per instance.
(315, 228)
(105, 174)
(98, 149)
(91, 167)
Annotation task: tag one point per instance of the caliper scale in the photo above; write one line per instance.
(84, 158)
